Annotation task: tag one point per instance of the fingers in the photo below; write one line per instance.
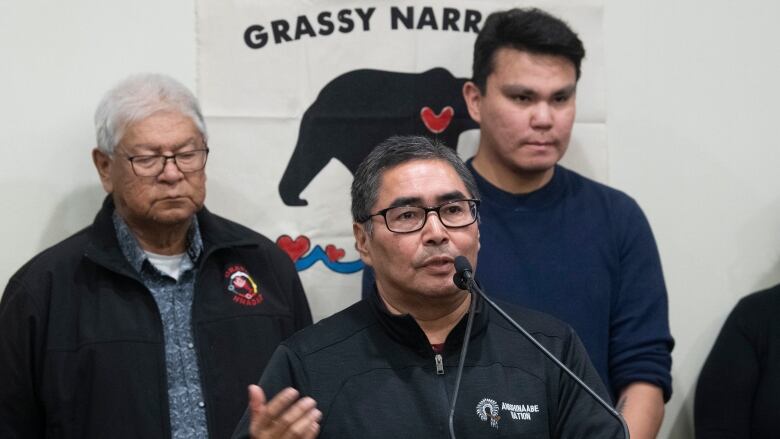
(281, 402)
(257, 409)
(307, 425)
(285, 416)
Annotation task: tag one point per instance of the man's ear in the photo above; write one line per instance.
(103, 163)
(473, 97)
(362, 239)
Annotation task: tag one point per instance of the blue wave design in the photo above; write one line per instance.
(318, 254)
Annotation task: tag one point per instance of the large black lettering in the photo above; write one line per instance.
(255, 36)
(365, 16)
(396, 15)
(471, 22)
(450, 20)
(326, 25)
(280, 28)
(347, 24)
(427, 19)
(303, 27)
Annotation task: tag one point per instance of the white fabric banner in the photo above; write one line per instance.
(296, 93)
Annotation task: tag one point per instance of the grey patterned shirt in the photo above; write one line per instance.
(174, 301)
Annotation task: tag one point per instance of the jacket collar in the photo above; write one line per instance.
(136, 255)
(103, 247)
(405, 330)
(216, 232)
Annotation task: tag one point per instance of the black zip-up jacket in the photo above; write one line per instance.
(374, 375)
(82, 353)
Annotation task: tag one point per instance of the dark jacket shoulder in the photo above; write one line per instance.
(537, 323)
(767, 300)
(58, 253)
(333, 330)
(756, 310)
(218, 231)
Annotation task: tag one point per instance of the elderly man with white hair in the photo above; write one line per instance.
(149, 322)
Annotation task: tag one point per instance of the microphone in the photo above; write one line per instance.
(464, 279)
(461, 278)
(462, 272)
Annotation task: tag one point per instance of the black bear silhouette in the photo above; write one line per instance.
(357, 110)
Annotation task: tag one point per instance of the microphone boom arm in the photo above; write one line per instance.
(464, 278)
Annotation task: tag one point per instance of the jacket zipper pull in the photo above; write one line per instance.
(439, 364)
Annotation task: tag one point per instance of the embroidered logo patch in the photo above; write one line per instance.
(242, 287)
(488, 409)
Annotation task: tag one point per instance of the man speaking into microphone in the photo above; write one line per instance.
(387, 367)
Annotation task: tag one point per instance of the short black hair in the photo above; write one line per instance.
(531, 30)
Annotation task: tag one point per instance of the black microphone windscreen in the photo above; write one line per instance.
(462, 264)
(462, 267)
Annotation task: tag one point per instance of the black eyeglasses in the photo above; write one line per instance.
(408, 219)
(154, 164)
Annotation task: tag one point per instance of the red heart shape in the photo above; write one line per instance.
(334, 253)
(295, 248)
(437, 123)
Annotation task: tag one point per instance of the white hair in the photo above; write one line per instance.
(138, 97)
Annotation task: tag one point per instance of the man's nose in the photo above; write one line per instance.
(434, 231)
(170, 170)
(542, 116)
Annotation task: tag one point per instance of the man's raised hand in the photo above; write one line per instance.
(286, 416)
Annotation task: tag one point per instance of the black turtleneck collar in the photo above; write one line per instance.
(405, 330)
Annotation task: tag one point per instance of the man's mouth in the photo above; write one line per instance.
(442, 262)
(541, 143)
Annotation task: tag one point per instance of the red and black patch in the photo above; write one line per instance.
(241, 286)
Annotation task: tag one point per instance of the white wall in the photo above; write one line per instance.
(56, 61)
(692, 96)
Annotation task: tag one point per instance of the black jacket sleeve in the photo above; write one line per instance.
(728, 380)
(579, 414)
(21, 335)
